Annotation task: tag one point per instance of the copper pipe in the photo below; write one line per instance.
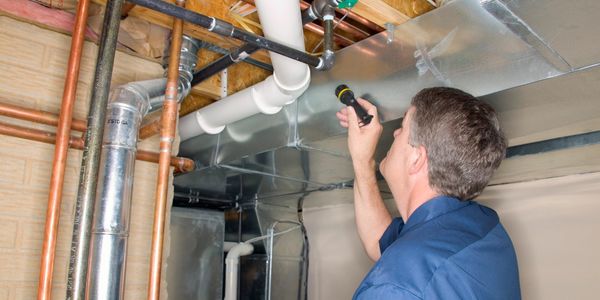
(48, 118)
(181, 164)
(353, 30)
(360, 19)
(60, 152)
(167, 135)
(36, 135)
(38, 116)
(149, 129)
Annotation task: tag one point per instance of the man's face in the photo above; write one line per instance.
(394, 167)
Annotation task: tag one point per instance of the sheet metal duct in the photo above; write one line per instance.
(497, 48)
(487, 48)
(195, 264)
(480, 47)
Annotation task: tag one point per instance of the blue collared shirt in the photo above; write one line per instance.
(448, 249)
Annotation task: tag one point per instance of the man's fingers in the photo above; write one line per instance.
(342, 115)
(352, 119)
(370, 108)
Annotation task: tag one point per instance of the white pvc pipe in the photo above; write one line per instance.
(231, 268)
(282, 22)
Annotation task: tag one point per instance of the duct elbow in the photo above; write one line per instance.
(133, 96)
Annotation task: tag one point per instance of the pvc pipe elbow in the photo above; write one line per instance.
(294, 90)
(238, 250)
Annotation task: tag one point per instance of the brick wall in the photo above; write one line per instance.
(32, 67)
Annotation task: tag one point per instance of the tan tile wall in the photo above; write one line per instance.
(32, 67)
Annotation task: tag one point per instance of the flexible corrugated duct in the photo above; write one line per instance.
(282, 22)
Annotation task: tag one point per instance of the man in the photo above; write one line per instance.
(444, 246)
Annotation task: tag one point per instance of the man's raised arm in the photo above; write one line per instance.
(372, 217)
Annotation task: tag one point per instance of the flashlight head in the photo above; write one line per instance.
(340, 89)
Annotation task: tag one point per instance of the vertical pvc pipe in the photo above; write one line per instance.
(167, 135)
(88, 176)
(60, 152)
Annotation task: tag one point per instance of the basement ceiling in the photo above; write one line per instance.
(143, 32)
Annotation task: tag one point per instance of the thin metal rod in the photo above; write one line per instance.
(226, 29)
(328, 35)
(38, 116)
(60, 152)
(167, 135)
(181, 164)
(88, 176)
(360, 19)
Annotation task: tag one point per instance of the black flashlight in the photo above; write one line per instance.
(346, 96)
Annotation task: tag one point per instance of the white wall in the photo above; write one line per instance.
(554, 224)
(555, 227)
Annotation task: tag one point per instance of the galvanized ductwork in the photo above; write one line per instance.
(128, 104)
(483, 47)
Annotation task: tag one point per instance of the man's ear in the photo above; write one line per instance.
(418, 160)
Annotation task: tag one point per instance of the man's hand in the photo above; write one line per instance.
(362, 141)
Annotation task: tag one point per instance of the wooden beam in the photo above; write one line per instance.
(208, 89)
(192, 30)
(379, 12)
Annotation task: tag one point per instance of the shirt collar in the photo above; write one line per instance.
(434, 207)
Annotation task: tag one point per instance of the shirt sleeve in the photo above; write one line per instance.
(385, 292)
(390, 234)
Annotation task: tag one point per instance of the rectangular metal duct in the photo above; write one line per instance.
(195, 262)
(481, 47)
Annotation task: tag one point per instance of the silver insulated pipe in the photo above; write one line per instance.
(128, 104)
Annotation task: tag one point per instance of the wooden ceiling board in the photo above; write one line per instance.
(192, 30)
